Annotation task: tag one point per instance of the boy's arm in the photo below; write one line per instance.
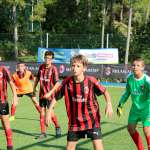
(49, 113)
(125, 96)
(55, 88)
(123, 99)
(108, 110)
(13, 88)
(35, 84)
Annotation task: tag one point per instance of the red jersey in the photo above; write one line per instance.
(48, 78)
(81, 102)
(4, 78)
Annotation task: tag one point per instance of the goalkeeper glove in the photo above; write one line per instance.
(119, 110)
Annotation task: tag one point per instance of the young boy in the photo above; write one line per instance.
(138, 86)
(5, 78)
(22, 79)
(81, 104)
(48, 78)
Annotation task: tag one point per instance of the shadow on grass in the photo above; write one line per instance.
(23, 118)
(43, 143)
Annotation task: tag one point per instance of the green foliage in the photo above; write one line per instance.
(69, 25)
(141, 46)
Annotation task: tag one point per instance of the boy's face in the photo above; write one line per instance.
(137, 67)
(21, 67)
(77, 68)
(48, 59)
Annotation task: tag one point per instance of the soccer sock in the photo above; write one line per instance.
(8, 134)
(42, 124)
(38, 108)
(55, 121)
(13, 110)
(137, 140)
(148, 141)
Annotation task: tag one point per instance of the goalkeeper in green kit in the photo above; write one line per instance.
(138, 86)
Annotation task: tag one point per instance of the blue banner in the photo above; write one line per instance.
(95, 56)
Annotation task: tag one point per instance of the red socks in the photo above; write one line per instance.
(38, 108)
(42, 124)
(13, 110)
(148, 141)
(8, 134)
(55, 121)
(137, 140)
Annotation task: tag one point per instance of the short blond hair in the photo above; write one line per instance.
(79, 58)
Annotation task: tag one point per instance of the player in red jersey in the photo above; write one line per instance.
(5, 78)
(22, 79)
(81, 104)
(48, 78)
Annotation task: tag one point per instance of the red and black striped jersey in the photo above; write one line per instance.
(81, 102)
(48, 78)
(4, 78)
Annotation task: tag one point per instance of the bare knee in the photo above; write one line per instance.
(71, 145)
(131, 129)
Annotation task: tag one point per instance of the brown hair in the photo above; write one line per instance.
(49, 53)
(79, 58)
(140, 60)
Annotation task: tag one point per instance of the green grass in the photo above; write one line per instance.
(26, 127)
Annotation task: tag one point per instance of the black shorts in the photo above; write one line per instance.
(27, 94)
(94, 134)
(4, 109)
(44, 103)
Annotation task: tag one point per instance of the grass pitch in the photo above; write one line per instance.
(26, 127)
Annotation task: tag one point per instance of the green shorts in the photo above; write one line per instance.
(136, 115)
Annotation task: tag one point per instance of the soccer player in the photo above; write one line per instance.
(82, 106)
(48, 78)
(5, 78)
(22, 79)
(138, 86)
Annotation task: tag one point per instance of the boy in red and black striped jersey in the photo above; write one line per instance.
(81, 104)
(5, 78)
(48, 77)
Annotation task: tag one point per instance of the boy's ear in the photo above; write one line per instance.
(85, 68)
(142, 69)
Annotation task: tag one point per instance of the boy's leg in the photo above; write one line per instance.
(55, 121)
(98, 145)
(135, 136)
(36, 104)
(8, 131)
(146, 130)
(13, 111)
(42, 120)
(71, 145)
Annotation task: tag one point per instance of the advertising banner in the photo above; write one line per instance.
(100, 71)
(95, 56)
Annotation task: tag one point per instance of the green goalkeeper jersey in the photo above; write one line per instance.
(139, 89)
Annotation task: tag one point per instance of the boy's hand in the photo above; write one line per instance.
(119, 111)
(15, 100)
(47, 95)
(109, 110)
(48, 118)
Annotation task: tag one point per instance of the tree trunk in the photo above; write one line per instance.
(121, 10)
(103, 28)
(148, 12)
(89, 13)
(128, 38)
(15, 32)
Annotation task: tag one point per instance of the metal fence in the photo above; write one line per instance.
(29, 43)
